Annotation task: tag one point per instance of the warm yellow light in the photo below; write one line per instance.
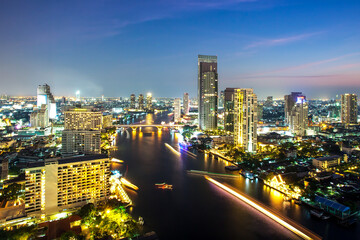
(261, 209)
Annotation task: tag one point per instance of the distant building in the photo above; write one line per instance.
(260, 110)
(149, 101)
(45, 97)
(186, 103)
(177, 110)
(57, 184)
(4, 168)
(132, 101)
(245, 119)
(222, 100)
(107, 121)
(349, 108)
(229, 109)
(207, 92)
(326, 162)
(141, 102)
(39, 118)
(269, 101)
(296, 113)
(82, 131)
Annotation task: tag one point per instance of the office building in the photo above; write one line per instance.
(77, 96)
(141, 102)
(229, 109)
(132, 101)
(45, 97)
(221, 100)
(349, 108)
(245, 119)
(269, 101)
(149, 101)
(177, 110)
(39, 118)
(57, 184)
(326, 162)
(186, 103)
(296, 113)
(207, 92)
(82, 131)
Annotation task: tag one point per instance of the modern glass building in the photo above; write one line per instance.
(207, 92)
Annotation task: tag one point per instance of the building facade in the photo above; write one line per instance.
(82, 131)
(45, 97)
(39, 118)
(132, 101)
(149, 102)
(177, 110)
(229, 109)
(296, 113)
(349, 108)
(207, 92)
(58, 184)
(141, 102)
(186, 103)
(245, 119)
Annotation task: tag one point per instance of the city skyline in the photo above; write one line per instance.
(274, 47)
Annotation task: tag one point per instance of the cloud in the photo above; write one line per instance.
(281, 41)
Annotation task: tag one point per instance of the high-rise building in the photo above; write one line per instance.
(57, 184)
(245, 119)
(296, 113)
(149, 101)
(141, 102)
(186, 103)
(82, 131)
(39, 118)
(132, 101)
(177, 110)
(229, 109)
(269, 101)
(221, 100)
(77, 96)
(45, 97)
(207, 92)
(349, 108)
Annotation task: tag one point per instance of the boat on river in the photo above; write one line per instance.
(164, 186)
(232, 168)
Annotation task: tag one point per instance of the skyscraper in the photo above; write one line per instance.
(245, 119)
(82, 131)
(186, 103)
(349, 108)
(132, 101)
(141, 102)
(229, 109)
(296, 113)
(149, 101)
(207, 92)
(177, 110)
(44, 96)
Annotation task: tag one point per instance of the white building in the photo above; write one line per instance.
(177, 110)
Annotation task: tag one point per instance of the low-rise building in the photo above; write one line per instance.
(326, 162)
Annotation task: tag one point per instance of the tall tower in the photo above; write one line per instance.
(296, 113)
(245, 119)
(349, 108)
(177, 110)
(44, 96)
(132, 101)
(229, 109)
(186, 103)
(149, 101)
(207, 91)
(141, 102)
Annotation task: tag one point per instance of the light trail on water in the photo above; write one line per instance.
(304, 233)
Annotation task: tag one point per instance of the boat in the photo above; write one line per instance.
(287, 198)
(232, 168)
(164, 186)
(316, 213)
(247, 175)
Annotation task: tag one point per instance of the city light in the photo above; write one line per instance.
(262, 210)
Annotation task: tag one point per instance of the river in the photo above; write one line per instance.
(195, 208)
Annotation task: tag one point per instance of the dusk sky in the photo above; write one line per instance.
(116, 48)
